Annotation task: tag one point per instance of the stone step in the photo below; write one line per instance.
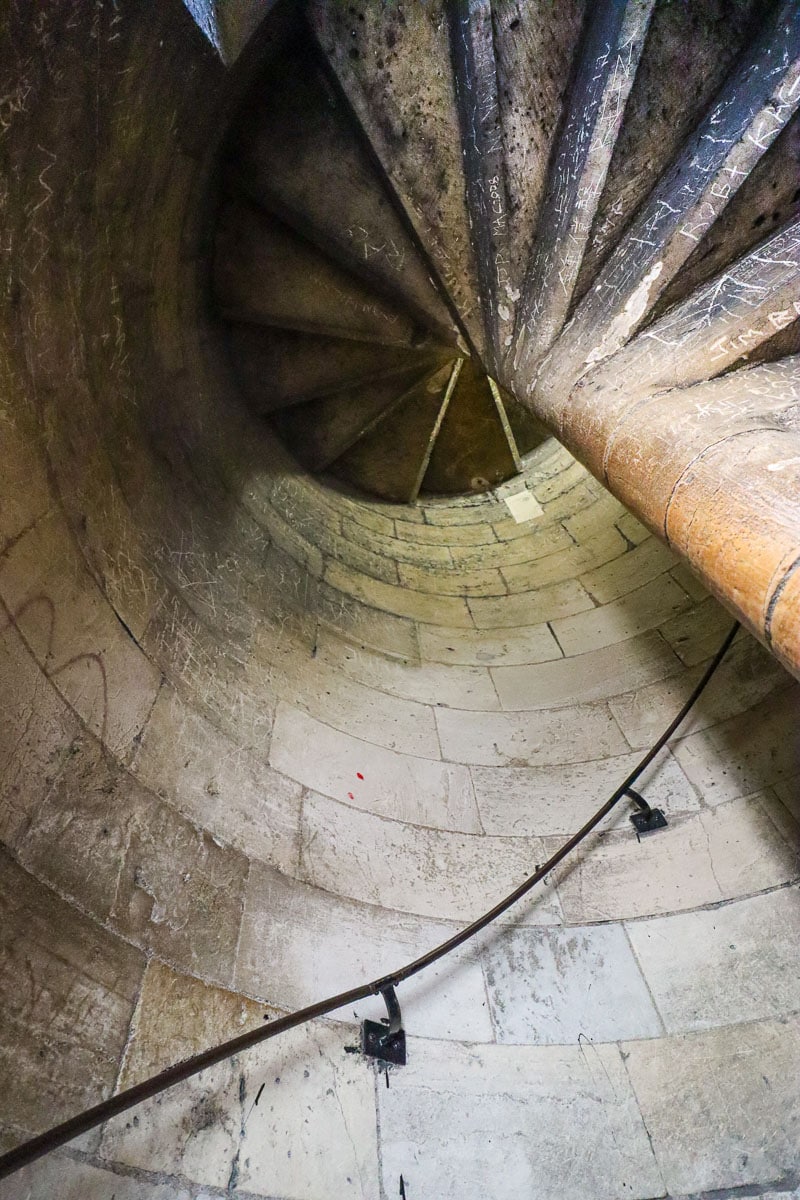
(298, 152)
(395, 68)
(716, 327)
(267, 274)
(534, 62)
(278, 368)
(323, 430)
(766, 200)
(755, 103)
(506, 1119)
(653, 132)
(603, 77)
(475, 75)
(386, 461)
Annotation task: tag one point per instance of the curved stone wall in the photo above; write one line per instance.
(266, 740)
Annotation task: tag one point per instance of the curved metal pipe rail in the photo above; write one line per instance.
(28, 1151)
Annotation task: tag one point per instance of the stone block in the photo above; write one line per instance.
(357, 710)
(192, 1130)
(747, 675)
(632, 529)
(68, 995)
(402, 601)
(178, 1016)
(211, 669)
(286, 537)
(401, 786)
(605, 512)
(74, 634)
(466, 1123)
(550, 800)
(683, 575)
(76, 837)
(528, 548)
(380, 566)
(509, 529)
(445, 535)
(636, 662)
(564, 566)
(788, 791)
(546, 736)
(475, 510)
(300, 944)
(180, 894)
(283, 1152)
(721, 966)
(722, 1107)
(428, 872)
(430, 550)
(570, 502)
(36, 731)
(24, 489)
(454, 581)
(746, 753)
(630, 571)
(431, 683)
(382, 631)
(70, 1179)
(556, 986)
(566, 475)
(703, 858)
(697, 634)
(369, 519)
(217, 784)
(645, 608)
(525, 644)
(123, 556)
(547, 603)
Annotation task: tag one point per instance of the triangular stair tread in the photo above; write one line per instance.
(782, 345)
(534, 65)
(625, 174)
(603, 74)
(321, 431)
(757, 99)
(298, 152)
(266, 273)
(386, 462)
(394, 63)
(768, 198)
(471, 452)
(475, 74)
(717, 326)
(527, 430)
(658, 119)
(278, 368)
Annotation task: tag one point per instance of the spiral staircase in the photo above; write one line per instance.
(443, 232)
(416, 203)
(298, 691)
(337, 327)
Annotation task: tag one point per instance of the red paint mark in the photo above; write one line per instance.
(350, 796)
(359, 775)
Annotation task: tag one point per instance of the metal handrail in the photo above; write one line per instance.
(43, 1143)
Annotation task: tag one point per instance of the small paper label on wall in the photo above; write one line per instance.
(523, 506)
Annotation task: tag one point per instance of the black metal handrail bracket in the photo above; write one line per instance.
(388, 1039)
